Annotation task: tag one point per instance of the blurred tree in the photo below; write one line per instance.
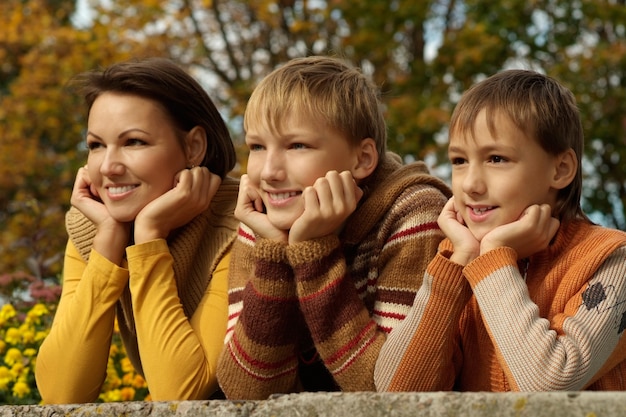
(422, 54)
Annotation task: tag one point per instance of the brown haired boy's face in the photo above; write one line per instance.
(282, 164)
(495, 178)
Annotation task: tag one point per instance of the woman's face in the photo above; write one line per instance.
(134, 153)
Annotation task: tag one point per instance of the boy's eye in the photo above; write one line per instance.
(457, 161)
(497, 159)
(255, 147)
(298, 146)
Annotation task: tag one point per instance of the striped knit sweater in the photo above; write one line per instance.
(327, 304)
(486, 328)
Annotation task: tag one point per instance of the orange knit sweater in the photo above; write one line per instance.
(555, 324)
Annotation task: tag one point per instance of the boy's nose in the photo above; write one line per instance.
(473, 181)
(273, 168)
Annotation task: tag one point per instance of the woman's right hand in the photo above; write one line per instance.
(249, 210)
(111, 236)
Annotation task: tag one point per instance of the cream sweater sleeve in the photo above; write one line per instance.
(71, 364)
(178, 355)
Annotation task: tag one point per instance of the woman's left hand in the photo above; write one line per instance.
(191, 195)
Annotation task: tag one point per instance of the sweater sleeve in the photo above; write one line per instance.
(259, 358)
(566, 352)
(422, 353)
(72, 360)
(178, 355)
(347, 334)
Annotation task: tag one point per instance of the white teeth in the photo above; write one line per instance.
(481, 210)
(120, 190)
(282, 196)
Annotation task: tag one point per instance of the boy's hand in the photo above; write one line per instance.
(531, 233)
(466, 247)
(249, 210)
(327, 205)
(191, 194)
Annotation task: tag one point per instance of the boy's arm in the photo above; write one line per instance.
(259, 357)
(348, 336)
(568, 352)
(420, 354)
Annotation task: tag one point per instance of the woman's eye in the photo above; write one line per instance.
(93, 145)
(135, 142)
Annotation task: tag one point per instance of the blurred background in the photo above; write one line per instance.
(422, 54)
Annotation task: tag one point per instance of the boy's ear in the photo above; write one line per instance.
(566, 165)
(195, 145)
(367, 159)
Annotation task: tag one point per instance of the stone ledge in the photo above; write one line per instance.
(366, 404)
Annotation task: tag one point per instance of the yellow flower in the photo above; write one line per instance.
(13, 356)
(21, 389)
(5, 378)
(2, 345)
(41, 335)
(28, 335)
(139, 382)
(127, 393)
(7, 312)
(38, 310)
(18, 369)
(111, 396)
(12, 336)
(127, 366)
(29, 352)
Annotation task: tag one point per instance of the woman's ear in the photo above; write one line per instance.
(566, 166)
(366, 159)
(195, 145)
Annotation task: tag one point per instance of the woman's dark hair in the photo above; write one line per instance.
(182, 97)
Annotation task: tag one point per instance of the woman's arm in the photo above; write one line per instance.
(178, 355)
(72, 361)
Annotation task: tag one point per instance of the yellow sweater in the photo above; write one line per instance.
(176, 308)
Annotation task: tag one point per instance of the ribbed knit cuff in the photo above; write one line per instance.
(488, 263)
(311, 250)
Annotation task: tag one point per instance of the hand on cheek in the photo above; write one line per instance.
(466, 247)
(327, 205)
(249, 210)
(531, 233)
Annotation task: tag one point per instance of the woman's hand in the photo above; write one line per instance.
(111, 236)
(191, 195)
(327, 205)
(250, 211)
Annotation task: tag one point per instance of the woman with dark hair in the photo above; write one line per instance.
(150, 231)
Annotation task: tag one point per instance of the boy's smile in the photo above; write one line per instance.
(496, 176)
(284, 161)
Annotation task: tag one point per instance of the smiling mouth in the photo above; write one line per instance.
(282, 196)
(481, 210)
(121, 190)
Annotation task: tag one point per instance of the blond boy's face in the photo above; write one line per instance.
(495, 178)
(281, 164)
